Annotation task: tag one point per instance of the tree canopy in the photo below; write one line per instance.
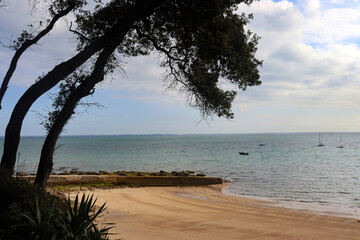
(201, 42)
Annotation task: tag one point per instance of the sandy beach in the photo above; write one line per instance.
(206, 213)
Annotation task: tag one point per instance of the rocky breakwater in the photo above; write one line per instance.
(123, 178)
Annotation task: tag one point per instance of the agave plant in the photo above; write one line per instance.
(41, 226)
(99, 234)
(78, 221)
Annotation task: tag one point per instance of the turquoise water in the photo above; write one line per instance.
(288, 168)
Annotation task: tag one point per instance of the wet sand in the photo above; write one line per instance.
(205, 213)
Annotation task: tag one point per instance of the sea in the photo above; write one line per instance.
(288, 169)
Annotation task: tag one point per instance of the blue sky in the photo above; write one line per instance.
(310, 77)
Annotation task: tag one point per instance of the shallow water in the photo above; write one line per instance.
(289, 168)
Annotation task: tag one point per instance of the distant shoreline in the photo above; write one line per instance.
(183, 134)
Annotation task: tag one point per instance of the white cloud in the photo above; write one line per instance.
(296, 72)
(312, 8)
(41, 58)
(137, 74)
(332, 22)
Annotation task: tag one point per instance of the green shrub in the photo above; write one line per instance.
(78, 221)
(18, 197)
(42, 226)
(26, 212)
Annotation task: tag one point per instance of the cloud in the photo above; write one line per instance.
(331, 22)
(137, 74)
(296, 71)
(312, 8)
(51, 50)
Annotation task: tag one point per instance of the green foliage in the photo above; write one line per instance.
(42, 225)
(66, 89)
(78, 221)
(207, 44)
(24, 36)
(18, 198)
(67, 188)
(60, 5)
(201, 42)
(29, 213)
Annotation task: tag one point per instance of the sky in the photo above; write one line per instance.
(310, 77)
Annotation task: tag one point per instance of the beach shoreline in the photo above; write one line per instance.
(317, 208)
(204, 212)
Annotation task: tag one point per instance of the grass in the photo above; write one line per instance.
(72, 187)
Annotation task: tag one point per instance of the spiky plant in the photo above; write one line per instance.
(42, 225)
(78, 221)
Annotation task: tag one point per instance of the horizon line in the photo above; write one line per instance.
(181, 134)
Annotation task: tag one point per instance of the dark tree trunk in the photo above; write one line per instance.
(84, 89)
(13, 129)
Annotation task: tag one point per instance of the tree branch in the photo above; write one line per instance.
(79, 33)
(157, 46)
(4, 4)
(173, 71)
(28, 43)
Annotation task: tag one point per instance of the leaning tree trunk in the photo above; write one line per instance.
(84, 89)
(13, 129)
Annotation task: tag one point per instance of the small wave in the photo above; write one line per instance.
(341, 192)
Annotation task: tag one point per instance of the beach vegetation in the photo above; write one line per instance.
(27, 212)
(201, 45)
(78, 221)
(71, 187)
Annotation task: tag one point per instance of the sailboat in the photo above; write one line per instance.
(320, 144)
(340, 145)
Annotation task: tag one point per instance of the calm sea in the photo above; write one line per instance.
(289, 168)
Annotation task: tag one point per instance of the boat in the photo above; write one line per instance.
(243, 153)
(340, 145)
(320, 144)
(261, 145)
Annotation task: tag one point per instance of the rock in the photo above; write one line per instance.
(91, 173)
(120, 173)
(21, 174)
(183, 173)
